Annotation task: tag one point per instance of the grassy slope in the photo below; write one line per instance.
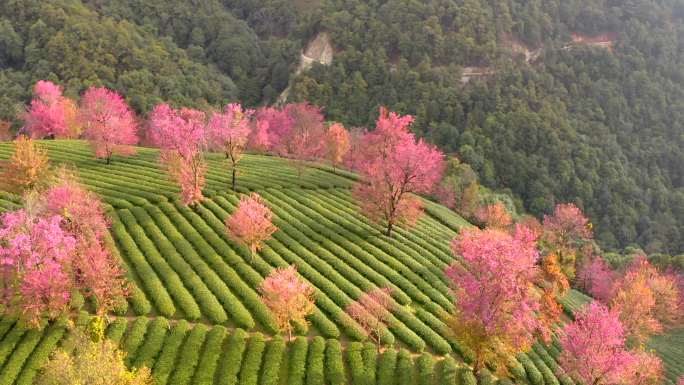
(186, 268)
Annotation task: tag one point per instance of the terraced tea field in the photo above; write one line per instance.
(194, 316)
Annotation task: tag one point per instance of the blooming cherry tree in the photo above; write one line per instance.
(50, 114)
(289, 298)
(597, 279)
(495, 297)
(228, 132)
(594, 351)
(393, 166)
(494, 216)
(109, 123)
(565, 233)
(372, 311)
(251, 223)
(53, 248)
(181, 135)
(35, 259)
(337, 143)
(645, 300)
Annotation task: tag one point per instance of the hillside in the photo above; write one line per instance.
(525, 92)
(188, 271)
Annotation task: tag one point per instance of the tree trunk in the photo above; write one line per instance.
(234, 182)
(389, 228)
(109, 159)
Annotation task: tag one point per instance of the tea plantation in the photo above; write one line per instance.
(194, 316)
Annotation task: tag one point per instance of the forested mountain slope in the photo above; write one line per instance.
(598, 124)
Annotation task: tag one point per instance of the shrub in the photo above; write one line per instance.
(209, 305)
(6, 324)
(249, 373)
(547, 374)
(404, 368)
(355, 363)
(171, 279)
(467, 377)
(116, 330)
(315, 358)
(425, 368)
(211, 278)
(533, 373)
(189, 355)
(16, 361)
(449, 372)
(41, 354)
(154, 340)
(370, 359)
(210, 355)
(153, 286)
(484, 377)
(232, 358)
(297, 366)
(135, 337)
(273, 358)
(164, 364)
(334, 364)
(386, 367)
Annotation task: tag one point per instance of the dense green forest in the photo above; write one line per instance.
(603, 127)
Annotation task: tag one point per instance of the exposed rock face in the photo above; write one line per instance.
(604, 40)
(319, 50)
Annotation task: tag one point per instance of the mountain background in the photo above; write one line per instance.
(547, 100)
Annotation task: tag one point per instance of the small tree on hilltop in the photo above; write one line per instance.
(337, 142)
(50, 114)
(495, 297)
(109, 123)
(251, 223)
(372, 311)
(228, 132)
(565, 233)
(181, 136)
(289, 298)
(594, 351)
(27, 167)
(296, 132)
(393, 166)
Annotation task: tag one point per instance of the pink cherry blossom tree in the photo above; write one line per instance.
(494, 216)
(594, 351)
(109, 123)
(54, 248)
(35, 255)
(228, 132)
(645, 300)
(289, 297)
(566, 232)
(372, 311)
(50, 114)
(296, 132)
(394, 165)
(181, 135)
(251, 223)
(597, 279)
(99, 273)
(337, 144)
(495, 297)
